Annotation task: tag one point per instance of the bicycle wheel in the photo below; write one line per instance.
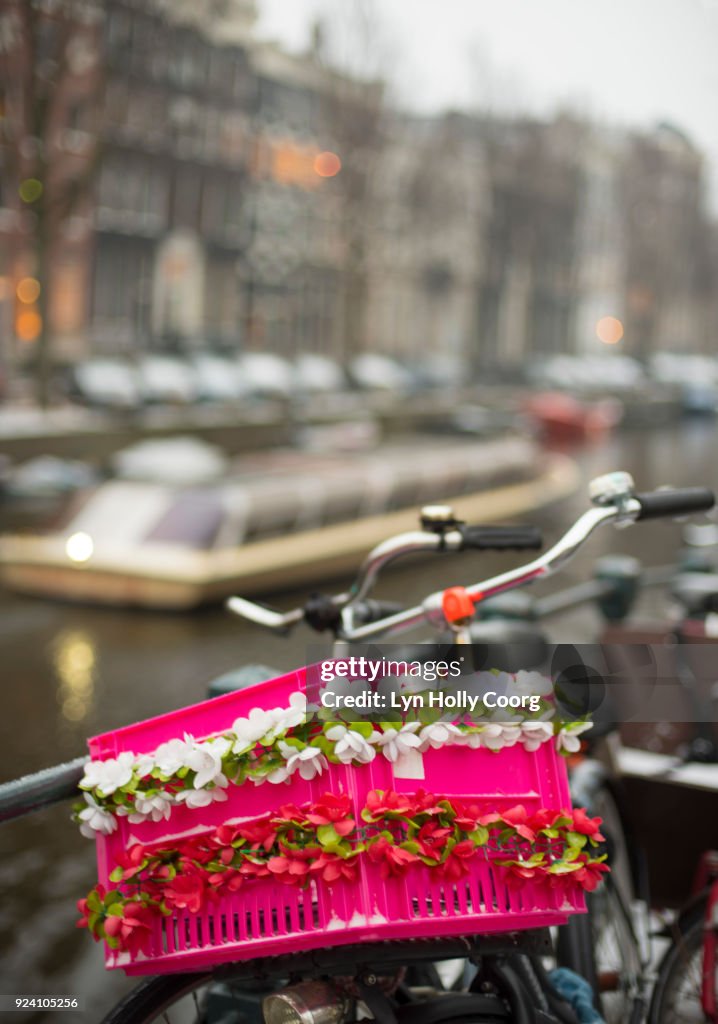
(205, 999)
(607, 807)
(677, 992)
(602, 945)
(617, 957)
(189, 999)
(575, 949)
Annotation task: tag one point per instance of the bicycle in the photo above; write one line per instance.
(686, 986)
(509, 983)
(686, 977)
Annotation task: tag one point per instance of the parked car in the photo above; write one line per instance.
(264, 375)
(684, 368)
(695, 377)
(215, 378)
(700, 398)
(166, 379)
(373, 372)
(589, 374)
(440, 372)
(315, 373)
(106, 383)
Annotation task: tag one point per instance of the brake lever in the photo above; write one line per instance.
(278, 622)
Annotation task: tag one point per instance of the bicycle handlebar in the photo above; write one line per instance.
(614, 500)
(624, 509)
(455, 538)
(431, 609)
(452, 535)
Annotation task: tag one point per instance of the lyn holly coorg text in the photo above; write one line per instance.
(370, 670)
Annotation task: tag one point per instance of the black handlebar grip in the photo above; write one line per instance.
(500, 538)
(679, 502)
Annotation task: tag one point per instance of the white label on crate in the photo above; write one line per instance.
(409, 765)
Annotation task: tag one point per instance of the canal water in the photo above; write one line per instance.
(69, 672)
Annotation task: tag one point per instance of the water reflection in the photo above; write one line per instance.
(75, 663)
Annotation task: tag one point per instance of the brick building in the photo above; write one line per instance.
(169, 217)
(206, 222)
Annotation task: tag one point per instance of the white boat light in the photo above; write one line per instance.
(79, 547)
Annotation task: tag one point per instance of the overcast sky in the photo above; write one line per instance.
(624, 61)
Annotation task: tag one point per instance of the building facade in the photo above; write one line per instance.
(670, 273)
(170, 223)
(427, 250)
(202, 188)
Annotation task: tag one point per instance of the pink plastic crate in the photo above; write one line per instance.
(269, 918)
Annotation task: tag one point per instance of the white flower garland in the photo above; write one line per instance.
(137, 785)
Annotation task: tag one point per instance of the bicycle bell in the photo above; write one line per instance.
(439, 518)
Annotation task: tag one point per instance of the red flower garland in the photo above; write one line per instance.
(323, 841)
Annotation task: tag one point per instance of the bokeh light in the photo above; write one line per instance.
(79, 547)
(327, 164)
(30, 190)
(609, 330)
(75, 664)
(28, 290)
(28, 325)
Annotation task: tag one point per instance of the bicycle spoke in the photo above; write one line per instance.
(618, 963)
(678, 989)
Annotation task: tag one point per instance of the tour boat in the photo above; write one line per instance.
(286, 518)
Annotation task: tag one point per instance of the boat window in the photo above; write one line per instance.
(193, 519)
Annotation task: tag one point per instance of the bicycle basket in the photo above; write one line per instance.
(267, 918)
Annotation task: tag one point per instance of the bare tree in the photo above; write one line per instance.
(50, 78)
